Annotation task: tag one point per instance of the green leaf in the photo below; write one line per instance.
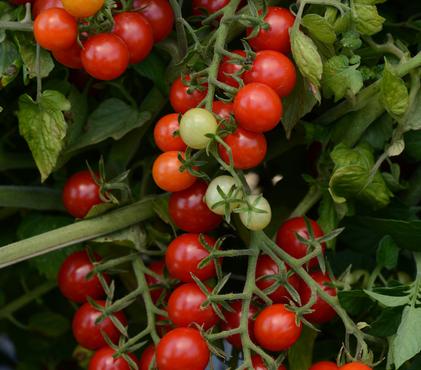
(78, 114)
(387, 323)
(413, 118)
(351, 40)
(154, 69)
(10, 62)
(300, 354)
(354, 301)
(387, 253)
(49, 324)
(388, 300)
(366, 17)
(413, 143)
(319, 28)
(43, 126)
(393, 92)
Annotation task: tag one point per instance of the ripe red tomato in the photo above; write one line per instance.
(70, 57)
(147, 357)
(73, 281)
(184, 307)
(259, 364)
(55, 29)
(105, 56)
(134, 29)
(323, 312)
(223, 110)
(181, 100)
(233, 322)
(158, 268)
(183, 256)
(182, 349)
(355, 366)
(280, 20)
(41, 5)
(163, 325)
(248, 149)
(324, 365)
(164, 134)
(87, 333)
(257, 108)
(275, 328)
(103, 360)
(189, 211)
(204, 7)
(267, 266)
(80, 194)
(159, 14)
(227, 68)
(286, 237)
(273, 69)
(167, 175)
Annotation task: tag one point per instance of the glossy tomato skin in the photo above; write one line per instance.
(227, 69)
(41, 5)
(73, 281)
(82, 8)
(80, 194)
(184, 254)
(355, 366)
(276, 38)
(323, 312)
(259, 364)
(287, 240)
(159, 14)
(184, 307)
(181, 100)
(273, 69)
(182, 349)
(324, 365)
(267, 266)
(167, 175)
(209, 6)
(70, 57)
(105, 56)
(103, 360)
(164, 134)
(135, 30)
(55, 29)
(189, 211)
(158, 267)
(223, 110)
(275, 328)
(87, 333)
(248, 149)
(147, 357)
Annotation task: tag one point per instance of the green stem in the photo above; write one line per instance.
(179, 26)
(16, 26)
(310, 199)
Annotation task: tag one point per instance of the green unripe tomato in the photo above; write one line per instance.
(254, 220)
(228, 187)
(194, 126)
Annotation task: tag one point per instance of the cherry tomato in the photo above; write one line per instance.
(189, 211)
(228, 68)
(223, 110)
(286, 237)
(324, 365)
(167, 175)
(105, 56)
(355, 366)
(88, 333)
(184, 307)
(181, 100)
(73, 281)
(195, 125)
(273, 69)
(55, 29)
(158, 268)
(82, 8)
(257, 107)
(184, 254)
(41, 5)
(70, 57)
(275, 328)
(159, 14)
(253, 219)
(259, 364)
(164, 134)
(228, 187)
(134, 29)
(267, 266)
(147, 357)
(103, 360)
(233, 321)
(280, 20)
(80, 194)
(204, 7)
(163, 325)
(323, 312)
(182, 349)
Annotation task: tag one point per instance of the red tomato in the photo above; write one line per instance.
(167, 175)
(134, 29)
(182, 349)
(233, 322)
(275, 328)
(70, 57)
(355, 366)
(147, 357)
(103, 360)
(223, 110)
(163, 325)
(73, 281)
(323, 312)
(164, 134)
(286, 237)
(280, 20)
(190, 213)
(181, 100)
(259, 364)
(87, 333)
(159, 14)
(55, 29)
(105, 56)
(227, 68)
(273, 69)
(41, 5)
(80, 194)
(257, 108)
(324, 365)
(205, 7)
(158, 268)
(183, 256)
(248, 149)
(184, 307)
(267, 266)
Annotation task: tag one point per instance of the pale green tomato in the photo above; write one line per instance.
(228, 187)
(194, 125)
(256, 220)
